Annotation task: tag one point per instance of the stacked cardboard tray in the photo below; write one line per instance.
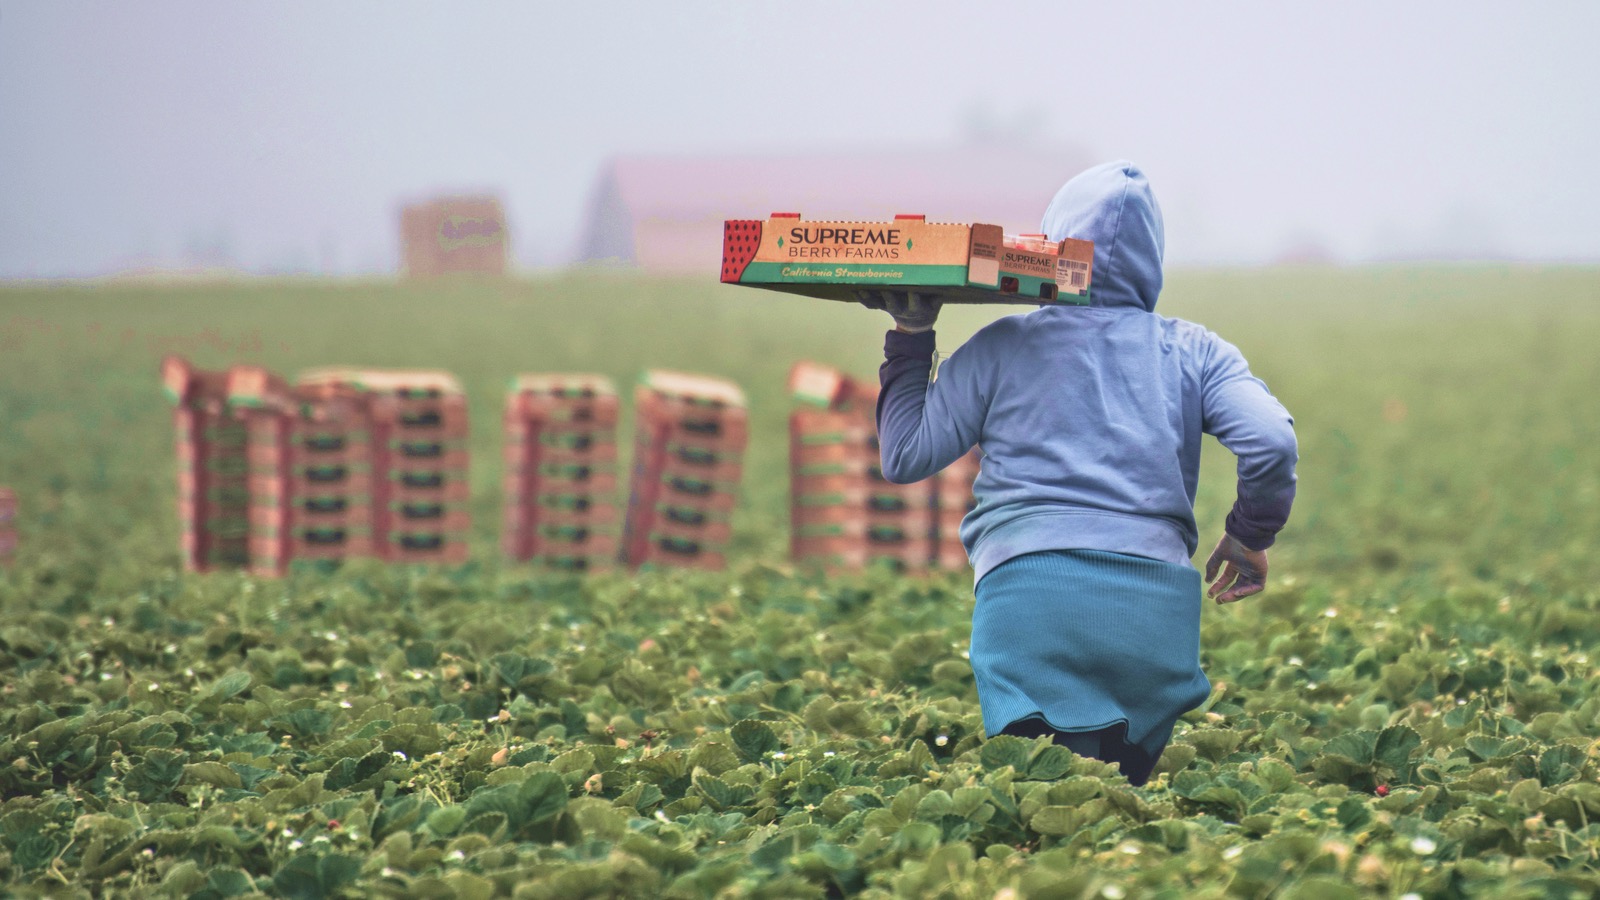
(213, 468)
(861, 261)
(561, 472)
(690, 437)
(418, 460)
(843, 513)
(8, 523)
(310, 477)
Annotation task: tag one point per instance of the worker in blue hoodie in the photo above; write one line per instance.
(1087, 622)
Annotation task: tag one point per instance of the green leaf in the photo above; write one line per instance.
(490, 824)
(156, 775)
(545, 796)
(1214, 743)
(1560, 764)
(307, 877)
(719, 793)
(1356, 747)
(212, 773)
(34, 852)
(935, 806)
(1057, 820)
(1049, 763)
(445, 820)
(753, 739)
(230, 685)
(1352, 814)
(1395, 747)
(230, 882)
(1006, 750)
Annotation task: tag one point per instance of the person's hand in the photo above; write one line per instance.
(913, 313)
(1244, 571)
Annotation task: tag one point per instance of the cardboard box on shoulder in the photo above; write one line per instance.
(855, 261)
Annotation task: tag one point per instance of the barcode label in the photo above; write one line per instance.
(1077, 279)
(1075, 264)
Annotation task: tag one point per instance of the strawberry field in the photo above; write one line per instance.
(1411, 708)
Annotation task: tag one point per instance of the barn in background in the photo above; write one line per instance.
(453, 234)
(665, 214)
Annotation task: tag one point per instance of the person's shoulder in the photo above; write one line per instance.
(1004, 331)
(1194, 340)
(1186, 333)
(1183, 327)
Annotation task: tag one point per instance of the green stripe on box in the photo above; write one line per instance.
(822, 438)
(824, 469)
(834, 499)
(851, 273)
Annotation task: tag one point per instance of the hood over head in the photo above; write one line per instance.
(1112, 205)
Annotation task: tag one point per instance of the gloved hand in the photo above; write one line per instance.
(1245, 574)
(913, 313)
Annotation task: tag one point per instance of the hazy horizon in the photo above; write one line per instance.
(282, 137)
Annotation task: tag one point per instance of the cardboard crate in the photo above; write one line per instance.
(693, 462)
(531, 413)
(818, 385)
(576, 564)
(552, 454)
(310, 453)
(863, 506)
(553, 398)
(454, 234)
(712, 532)
(314, 544)
(950, 262)
(686, 490)
(435, 409)
(808, 456)
(833, 478)
(530, 541)
(411, 455)
(585, 505)
(948, 553)
(312, 511)
(424, 547)
(845, 551)
(689, 442)
(668, 552)
(888, 529)
(588, 537)
(677, 420)
(429, 515)
(564, 479)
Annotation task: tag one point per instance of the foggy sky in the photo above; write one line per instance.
(283, 135)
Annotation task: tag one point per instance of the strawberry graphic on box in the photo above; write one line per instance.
(741, 238)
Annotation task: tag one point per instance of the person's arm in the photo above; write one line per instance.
(1242, 414)
(923, 428)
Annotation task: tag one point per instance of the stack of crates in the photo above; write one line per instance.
(213, 469)
(310, 477)
(843, 514)
(8, 523)
(561, 472)
(690, 437)
(418, 458)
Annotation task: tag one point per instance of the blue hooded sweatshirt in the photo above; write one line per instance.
(1090, 417)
